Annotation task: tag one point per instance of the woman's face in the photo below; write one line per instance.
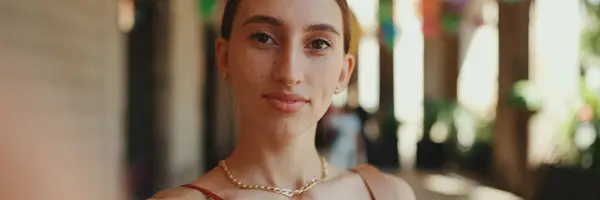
(285, 59)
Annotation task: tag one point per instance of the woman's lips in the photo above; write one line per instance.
(286, 102)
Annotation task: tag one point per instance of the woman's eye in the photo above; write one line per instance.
(320, 44)
(262, 38)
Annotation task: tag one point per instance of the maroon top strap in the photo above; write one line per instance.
(378, 185)
(203, 191)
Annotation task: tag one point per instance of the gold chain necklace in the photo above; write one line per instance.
(285, 192)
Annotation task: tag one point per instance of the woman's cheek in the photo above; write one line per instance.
(326, 72)
(253, 64)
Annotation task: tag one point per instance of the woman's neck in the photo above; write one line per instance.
(262, 159)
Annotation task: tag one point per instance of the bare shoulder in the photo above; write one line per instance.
(209, 181)
(405, 192)
(178, 193)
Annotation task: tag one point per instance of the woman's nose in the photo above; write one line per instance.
(288, 69)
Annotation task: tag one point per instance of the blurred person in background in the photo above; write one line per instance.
(285, 59)
(344, 148)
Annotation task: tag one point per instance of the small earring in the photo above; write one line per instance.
(226, 76)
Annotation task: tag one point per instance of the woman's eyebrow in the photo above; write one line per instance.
(263, 19)
(322, 27)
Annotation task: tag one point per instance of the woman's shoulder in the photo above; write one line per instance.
(178, 193)
(194, 191)
(385, 183)
(405, 191)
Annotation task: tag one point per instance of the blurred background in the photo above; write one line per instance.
(465, 99)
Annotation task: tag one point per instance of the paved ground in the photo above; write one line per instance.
(418, 182)
(437, 186)
(431, 186)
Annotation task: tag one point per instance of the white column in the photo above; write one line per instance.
(408, 77)
(554, 69)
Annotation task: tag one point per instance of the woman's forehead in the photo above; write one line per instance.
(292, 13)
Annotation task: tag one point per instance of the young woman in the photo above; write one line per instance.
(285, 59)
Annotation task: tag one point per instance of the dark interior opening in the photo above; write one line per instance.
(141, 121)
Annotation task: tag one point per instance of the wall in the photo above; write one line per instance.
(62, 76)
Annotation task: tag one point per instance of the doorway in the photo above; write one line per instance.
(141, 125)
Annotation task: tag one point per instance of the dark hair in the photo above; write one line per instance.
(232, 5)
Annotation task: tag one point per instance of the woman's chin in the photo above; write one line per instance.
(285, 135)
(286, 132)
(280, 128)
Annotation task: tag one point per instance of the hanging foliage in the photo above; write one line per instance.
(590, 39)
(524, 95)
(206, 8)
(451, 23)
(386, 23)
(386, 10)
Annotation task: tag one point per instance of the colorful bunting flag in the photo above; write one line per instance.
(389, 32)
(456, 6)
(431, 13)
(386, 23)
(431, 29)
(511, 1)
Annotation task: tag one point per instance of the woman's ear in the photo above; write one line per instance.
(346, 73)
(222, 52)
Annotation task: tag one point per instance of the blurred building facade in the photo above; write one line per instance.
(136, 80)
